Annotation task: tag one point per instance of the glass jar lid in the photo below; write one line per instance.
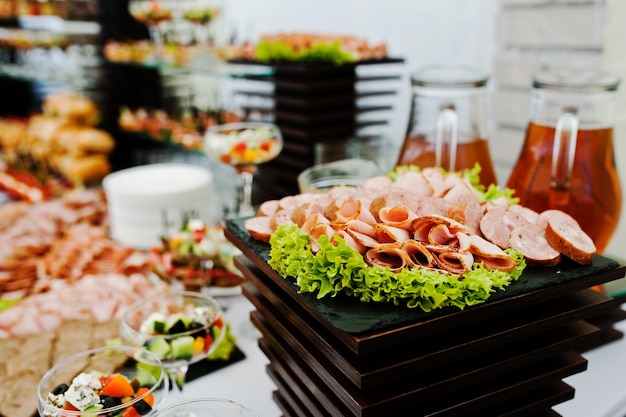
(576, 80)
(441, 76)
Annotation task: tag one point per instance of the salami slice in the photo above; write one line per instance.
(565, 235)
(530, 240)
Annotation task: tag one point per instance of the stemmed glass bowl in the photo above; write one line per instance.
(114, 381)
(244, 146)
(153, 13)
(207, 407)
(201, 14)
(180, 327)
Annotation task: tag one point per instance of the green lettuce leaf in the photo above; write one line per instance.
(341, 269)
(278, 51)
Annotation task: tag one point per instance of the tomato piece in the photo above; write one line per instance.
(119, 387)
(239, 147)
(148, 398)
(219, 322)
(198, 235)
(105, 379)
(131, 412)
(266, 146)
(208, 341)
(69, 407)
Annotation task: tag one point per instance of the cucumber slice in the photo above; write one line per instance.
(92, 410)
(182, 348)
(148, 325)
(160, 347)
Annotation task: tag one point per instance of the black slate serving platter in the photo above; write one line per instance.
(360, 321)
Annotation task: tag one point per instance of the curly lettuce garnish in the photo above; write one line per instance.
(341, 269)
(278, 51)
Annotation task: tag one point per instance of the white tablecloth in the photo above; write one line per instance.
(600, 390)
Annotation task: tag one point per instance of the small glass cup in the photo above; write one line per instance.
(135, 364)
(207, 407)
(345, 172)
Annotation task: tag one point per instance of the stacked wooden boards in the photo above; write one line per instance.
(508, 356)
(316, 103)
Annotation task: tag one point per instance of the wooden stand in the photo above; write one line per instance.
(506, 357)
(315, 103)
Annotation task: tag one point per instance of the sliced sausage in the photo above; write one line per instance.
(530, 240)
(259, 228)
(565, 235)
(493, 229)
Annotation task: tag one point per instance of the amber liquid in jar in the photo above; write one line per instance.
(593, 197)
(418, 150)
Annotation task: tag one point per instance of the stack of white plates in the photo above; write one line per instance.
(150, 201)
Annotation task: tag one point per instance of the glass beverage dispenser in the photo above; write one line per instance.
(448, 123)
(567, 160)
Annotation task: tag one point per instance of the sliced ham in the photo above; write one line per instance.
(379, 182)
(457, 263)
(354, 209)
(492, 256)
(422, 227)
(415, 182)
(313, 220)
(419, 255)
(363, 239)
(388, 255)
(301, 213)
(350, 241)
(530, 240)
(392, 198)
(361, 227)
(387, 234)
(398, 216)
(319, 230)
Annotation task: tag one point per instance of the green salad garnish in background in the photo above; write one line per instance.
(341, 269)
(278, 51)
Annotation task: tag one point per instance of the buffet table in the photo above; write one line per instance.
(599, 389)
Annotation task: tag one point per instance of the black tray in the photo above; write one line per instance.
(364, 325)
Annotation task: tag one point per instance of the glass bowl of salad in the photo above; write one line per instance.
(112, 381)
(180, 327)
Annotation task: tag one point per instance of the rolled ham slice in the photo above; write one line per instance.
(364, 239)
(349, 240)
(389, 255)
(492, 256)
(422, 227)
(419, 256)
(414, 181)
(398, 216)
(352, 210)
(457, 263)
(389, 234)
